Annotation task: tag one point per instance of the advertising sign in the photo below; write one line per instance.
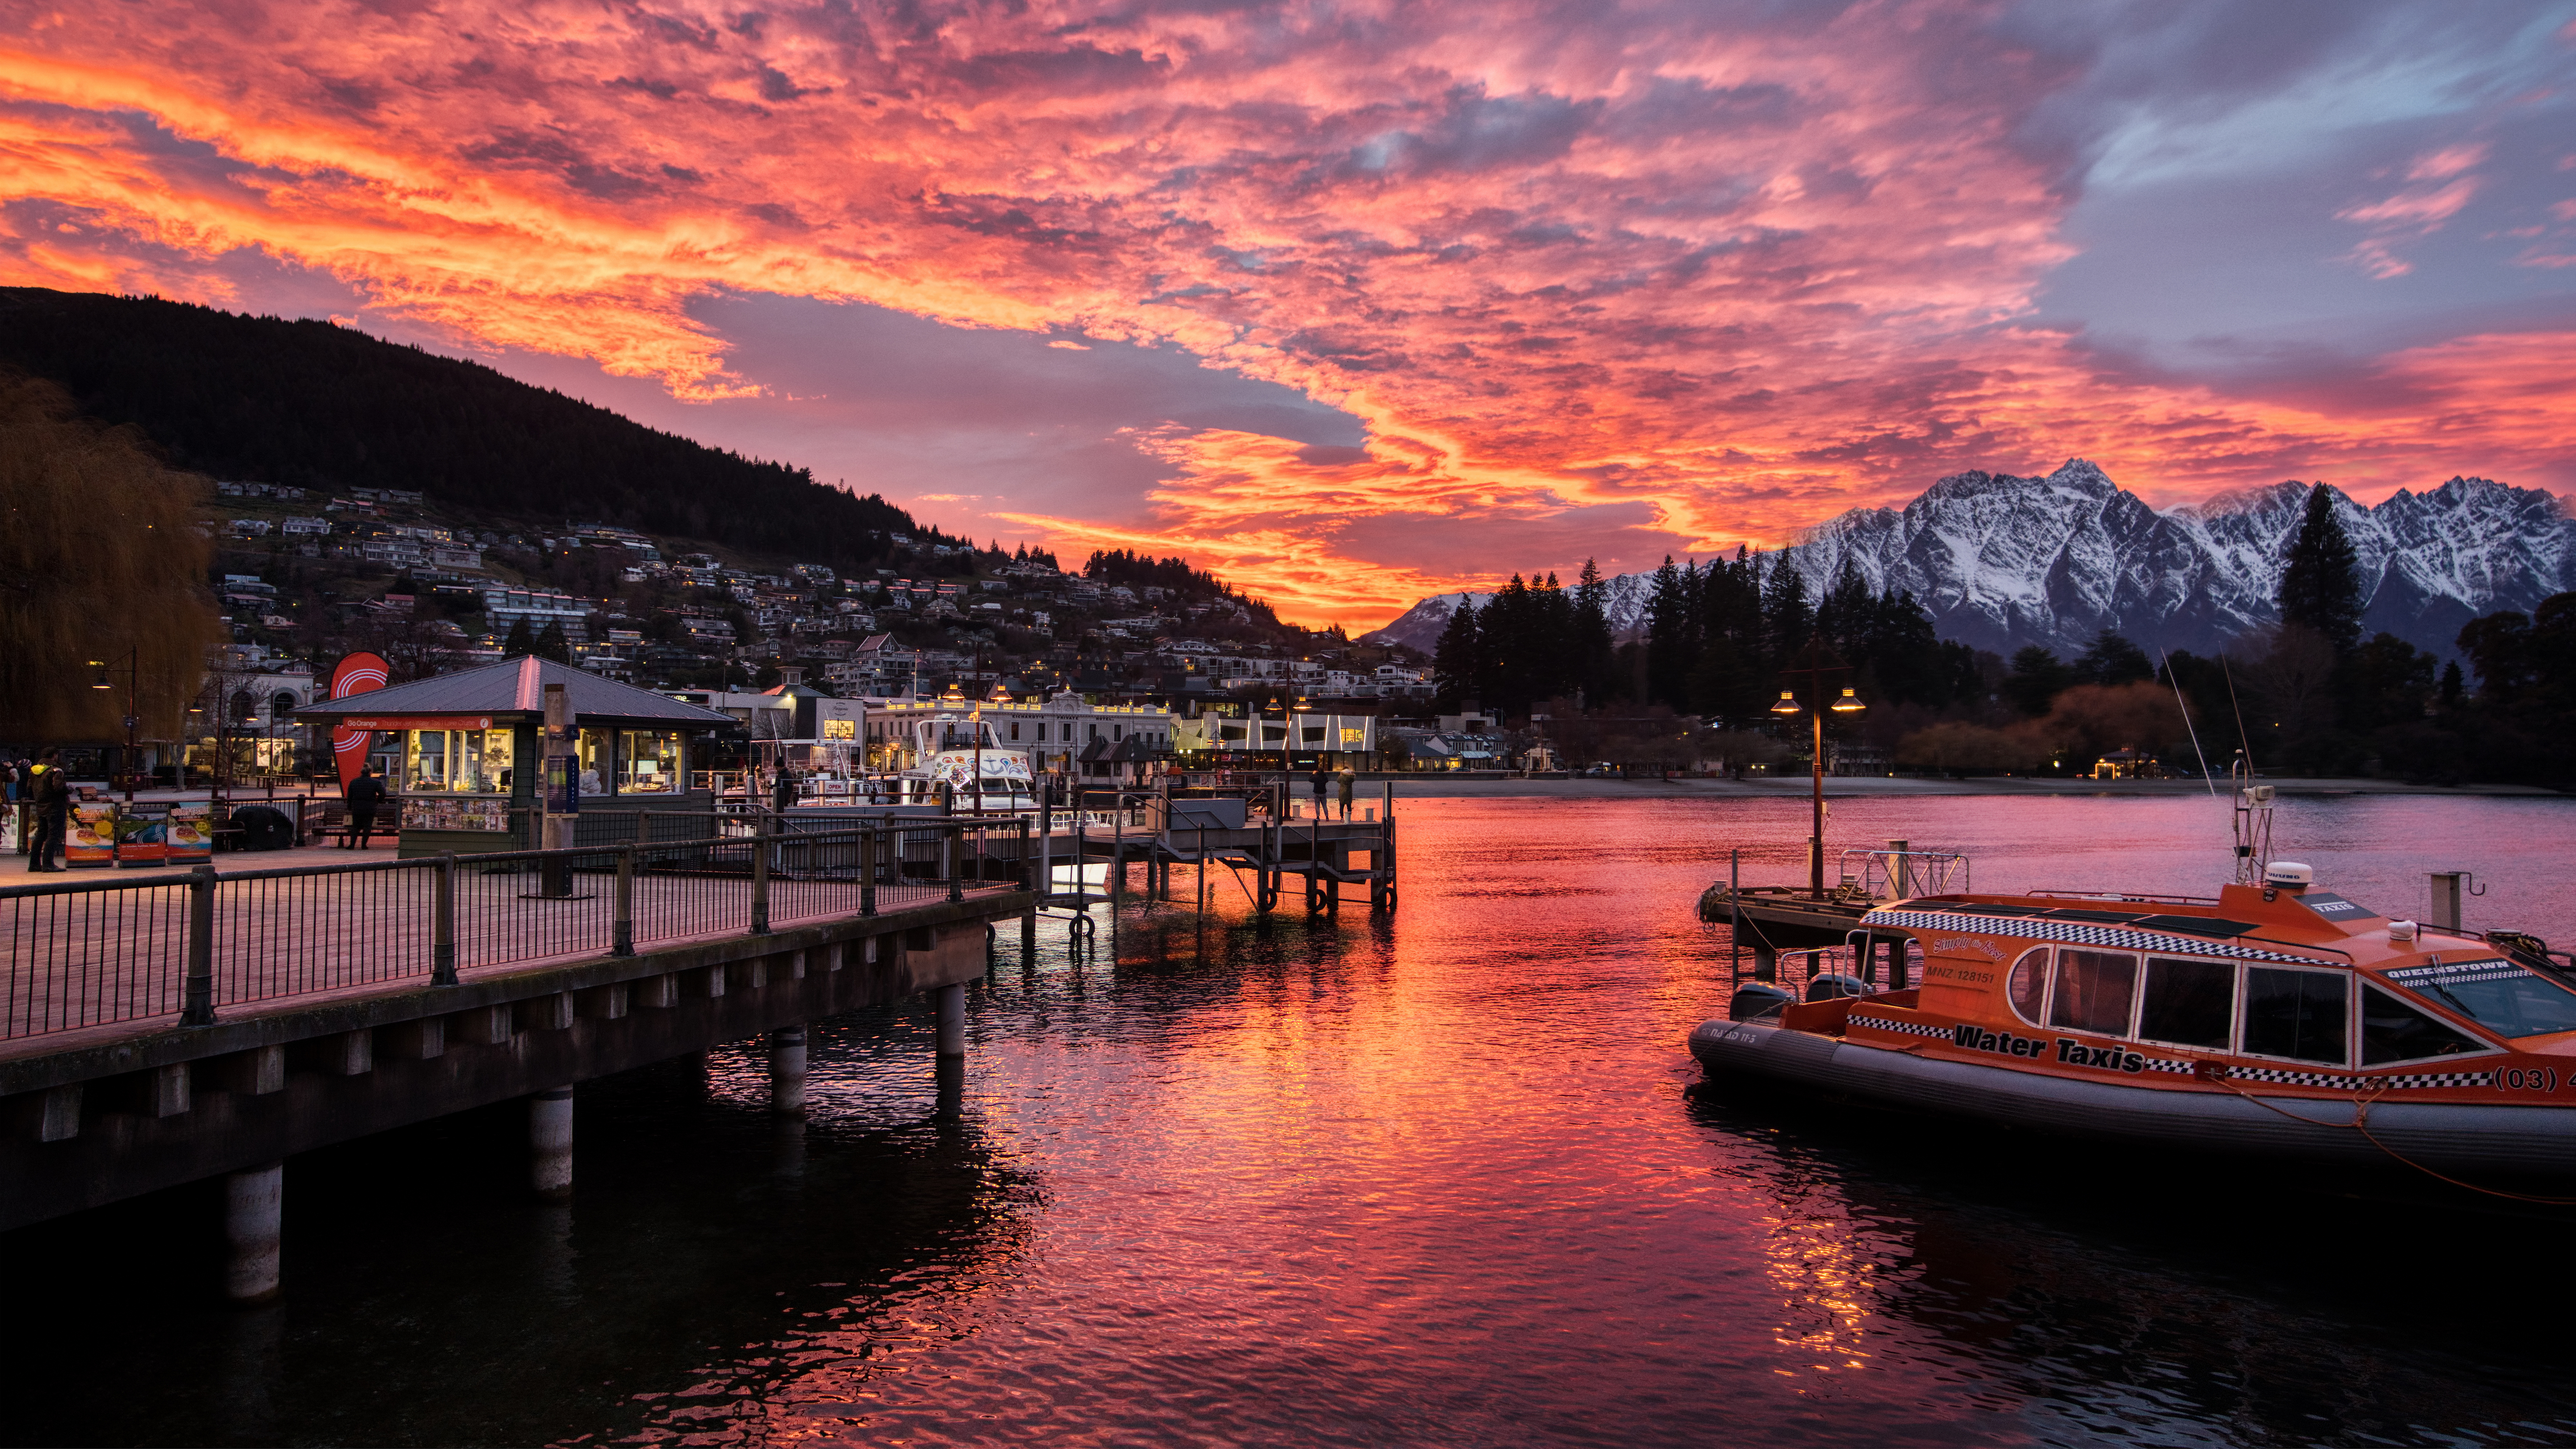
(354, 674)
(142, 835)
(90, 837)
(190, 837)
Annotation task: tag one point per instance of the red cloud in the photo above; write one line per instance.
(1559, 261)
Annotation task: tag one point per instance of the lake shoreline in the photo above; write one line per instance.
(1434, 787)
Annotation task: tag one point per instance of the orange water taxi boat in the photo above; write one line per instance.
(2278, 1018)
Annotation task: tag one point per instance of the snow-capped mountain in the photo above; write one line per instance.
(2001, 561)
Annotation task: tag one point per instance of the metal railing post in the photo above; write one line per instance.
(442, 923)
(868, 873)
(200, 1001)
(759, 881)
(1026, 865)
(948, 864)
(622, 942)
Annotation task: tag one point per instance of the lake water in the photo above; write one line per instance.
(1445, 1179)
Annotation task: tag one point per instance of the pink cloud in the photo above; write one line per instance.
(1566, 265)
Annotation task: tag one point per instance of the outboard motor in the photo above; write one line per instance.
(1834, 983)
(1757, 1001)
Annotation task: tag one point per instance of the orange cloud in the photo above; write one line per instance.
(1712, 280)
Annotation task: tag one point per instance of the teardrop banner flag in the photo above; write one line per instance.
(354, 674)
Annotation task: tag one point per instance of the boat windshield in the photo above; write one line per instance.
(2501, 996)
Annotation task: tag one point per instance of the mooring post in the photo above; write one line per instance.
(442, 922)
(550, 1143)
(254, 1214)
(199, 1004)
(1735, 928)
(2444, 906)
(622, 931)
(759, 881)
(787, 1071)
(951, 1000)
(1118, 854)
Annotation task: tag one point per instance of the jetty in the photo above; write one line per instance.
(1772, 921)
(164, 1027)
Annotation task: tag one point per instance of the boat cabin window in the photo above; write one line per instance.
(2501, 996)
(2187, 1003)
(2392, 1031)
(2027, 986)
(2095, 990)
(2294, 1014)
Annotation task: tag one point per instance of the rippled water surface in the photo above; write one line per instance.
(1445, 1178)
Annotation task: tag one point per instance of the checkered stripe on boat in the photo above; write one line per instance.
(1909, 1028)
(2076, 933)
(2417, 1082)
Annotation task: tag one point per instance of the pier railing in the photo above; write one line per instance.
(81, 953)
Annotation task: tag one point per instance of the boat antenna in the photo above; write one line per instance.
(2179, 703)
(2244, 746)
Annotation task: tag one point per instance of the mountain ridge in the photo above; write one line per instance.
(2001, 561)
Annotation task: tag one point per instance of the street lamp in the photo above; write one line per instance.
(1788, 707)
(133, 670)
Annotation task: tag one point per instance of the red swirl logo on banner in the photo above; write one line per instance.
(354, 674)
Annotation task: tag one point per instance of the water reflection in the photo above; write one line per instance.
(1447, 1177)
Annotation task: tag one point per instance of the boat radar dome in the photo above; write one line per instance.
(2288, 875)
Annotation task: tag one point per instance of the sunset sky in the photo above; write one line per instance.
(1356, 302)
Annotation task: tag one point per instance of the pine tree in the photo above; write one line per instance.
(552, 645)
(1458, 661)
(1591, 662)
(2318, 587)
(521, 641)
(2111, 659)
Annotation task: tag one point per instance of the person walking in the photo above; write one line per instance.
(52, 798)
(365, 793)
(1350, 783)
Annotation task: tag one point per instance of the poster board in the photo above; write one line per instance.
(89, 837)
(456, 812)
(142, 835)
(191, 833)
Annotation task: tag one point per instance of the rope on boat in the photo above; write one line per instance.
(2362, 1102)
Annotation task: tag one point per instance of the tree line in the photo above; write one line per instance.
(315, 405)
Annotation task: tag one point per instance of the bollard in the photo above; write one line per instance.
(787, 1071)
(948, 865)
(199, 1005)
(952, 1020)
(2444, 906)
(254, 1210)
(550, 1143)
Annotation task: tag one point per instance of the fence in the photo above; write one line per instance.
(92, 953)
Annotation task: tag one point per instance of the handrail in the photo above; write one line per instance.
(83, 953)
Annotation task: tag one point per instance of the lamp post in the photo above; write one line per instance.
(1788, 706)
(133, 671)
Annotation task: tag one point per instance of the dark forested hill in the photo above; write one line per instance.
(321, 406)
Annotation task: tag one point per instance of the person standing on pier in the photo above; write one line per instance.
(1322, 781)
(1350, 781)
(51, 794)
(365, 793)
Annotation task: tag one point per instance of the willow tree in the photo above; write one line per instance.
(100, 554)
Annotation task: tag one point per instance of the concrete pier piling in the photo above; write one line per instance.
(952, 1020)
(254, 1215)
(550, 1144)
(787, 1071)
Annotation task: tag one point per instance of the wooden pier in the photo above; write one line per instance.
(180, 1026)
(161, 1028)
